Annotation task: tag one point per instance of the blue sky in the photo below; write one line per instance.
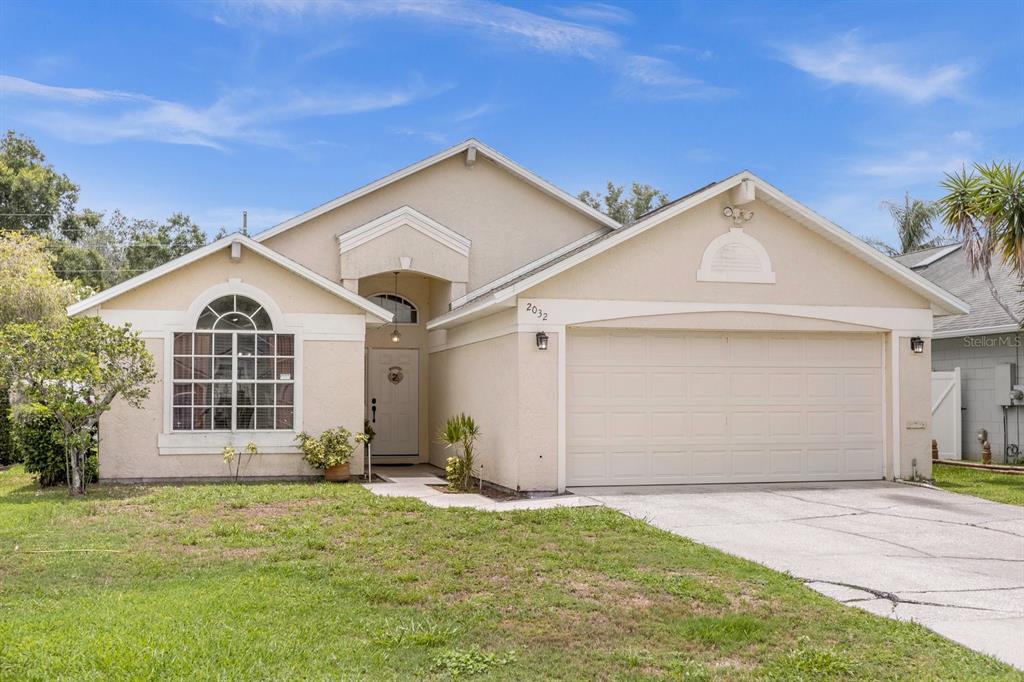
(273, 106)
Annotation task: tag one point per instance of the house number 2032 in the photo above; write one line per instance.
(534, 310)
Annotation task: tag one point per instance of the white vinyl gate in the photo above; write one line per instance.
(946, 417)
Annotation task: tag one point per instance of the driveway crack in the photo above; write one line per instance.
(896, 599)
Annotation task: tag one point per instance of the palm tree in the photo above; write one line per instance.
(913, 222)
(985, 209)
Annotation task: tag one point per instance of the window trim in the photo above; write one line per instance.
(276, 441)
(234, 381)
(404, 298)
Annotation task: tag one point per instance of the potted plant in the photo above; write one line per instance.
(330, 451)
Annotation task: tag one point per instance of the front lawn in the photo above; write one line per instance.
(321, 581)
(991, 485)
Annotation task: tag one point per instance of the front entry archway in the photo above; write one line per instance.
(393, 400)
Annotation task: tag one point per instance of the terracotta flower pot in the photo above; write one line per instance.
(338, 473)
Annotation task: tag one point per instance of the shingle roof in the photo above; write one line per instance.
(952, 272)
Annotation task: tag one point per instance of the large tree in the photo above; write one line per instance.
(913, 220)
(625, 209)
(29, 292)
(984, 208)
(33, 196)
(72, 372)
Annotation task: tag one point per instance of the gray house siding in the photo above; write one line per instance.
(977, 357)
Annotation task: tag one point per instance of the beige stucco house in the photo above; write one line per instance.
(730, 336)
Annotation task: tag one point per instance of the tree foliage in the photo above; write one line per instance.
(913, 220)
(30, 291)
(72, 372)
(621, 207)
(34, 197)
(984, 208)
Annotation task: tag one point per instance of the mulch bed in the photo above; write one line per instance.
(488, 491)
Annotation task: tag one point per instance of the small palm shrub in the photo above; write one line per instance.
(460, 432)
(330, 449)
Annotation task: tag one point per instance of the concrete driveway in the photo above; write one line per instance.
(950, 562)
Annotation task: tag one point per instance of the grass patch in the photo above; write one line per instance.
(990, 485)
(316, 581)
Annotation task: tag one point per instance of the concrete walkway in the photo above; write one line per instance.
(416, 481)
(951, 562)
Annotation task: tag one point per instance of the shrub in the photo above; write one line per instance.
(331, 448)
(460, 431)
(7, 453)
(38, 442)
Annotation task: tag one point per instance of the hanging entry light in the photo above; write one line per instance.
(395, 336)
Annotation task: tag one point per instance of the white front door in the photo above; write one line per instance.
(393, 400)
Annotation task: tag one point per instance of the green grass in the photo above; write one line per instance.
(319, 581)
(991, 485)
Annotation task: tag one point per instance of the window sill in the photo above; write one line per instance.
(268, 442)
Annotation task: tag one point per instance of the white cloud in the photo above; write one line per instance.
(493, 19)
(595, 12)
(651, 77)
(660, 79)
(914, 166)
(95, 116)
(847, 60)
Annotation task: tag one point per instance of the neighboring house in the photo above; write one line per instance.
(977, 344)
(730, 336)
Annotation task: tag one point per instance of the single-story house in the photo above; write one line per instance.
(980, 353)
(732, 335)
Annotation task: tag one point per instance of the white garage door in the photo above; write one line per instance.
(650, 407)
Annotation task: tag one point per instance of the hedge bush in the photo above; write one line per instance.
(38, 443)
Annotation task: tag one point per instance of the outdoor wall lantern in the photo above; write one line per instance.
(395, 336)
(917, 344)
(542, 341)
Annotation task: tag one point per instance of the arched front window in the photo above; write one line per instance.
(233, 373)
(404, 310)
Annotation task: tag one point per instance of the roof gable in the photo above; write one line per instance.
(230, 241)
(743, 187)
(471, 147)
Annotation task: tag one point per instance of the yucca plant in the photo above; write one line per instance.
(460, 431)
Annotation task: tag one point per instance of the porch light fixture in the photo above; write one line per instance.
(542, 341)
(917, 344)
(395, 336)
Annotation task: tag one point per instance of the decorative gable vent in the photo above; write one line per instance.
(735, 257)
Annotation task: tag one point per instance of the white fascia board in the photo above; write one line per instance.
(271, 255)
(776, 197)
(503, 161)
(406, 215)
(977, 331)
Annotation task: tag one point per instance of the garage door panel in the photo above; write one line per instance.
(669, 384)
(705, 385)
(711, 463)
(625, 384)
(823, 385)
(749, 462)
(627, 425)
(698, 407)
(785, 461)
(669, 464)
(670, 424)
(586, 386)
